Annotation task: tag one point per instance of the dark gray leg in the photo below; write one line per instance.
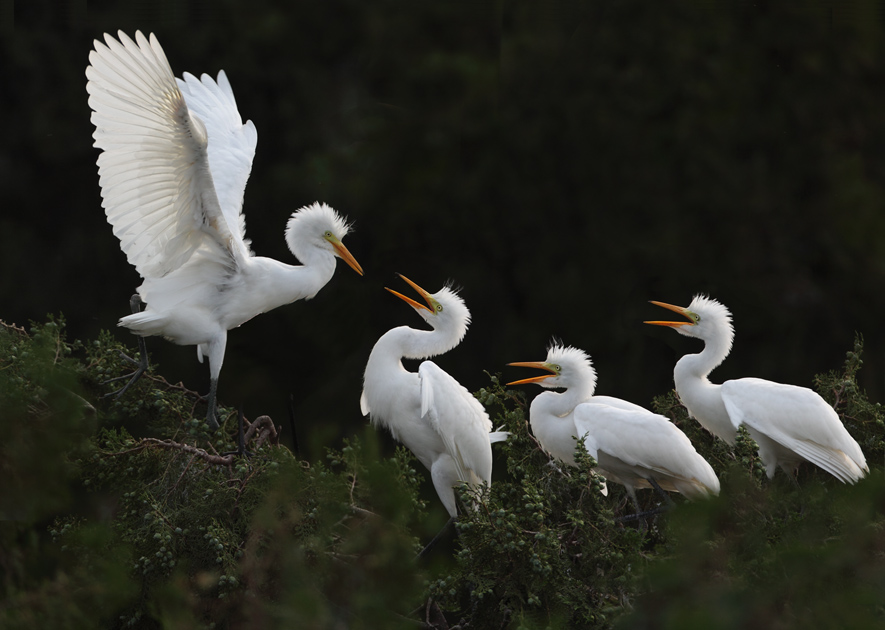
(660, 491)
(658, 510)
(211, 414)
(241, 437)
(135, 304)
(436, 538)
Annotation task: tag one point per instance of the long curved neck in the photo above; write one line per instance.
(279, 283)
(404, 342)
(702, 398)
(699, 366)
(561, 404)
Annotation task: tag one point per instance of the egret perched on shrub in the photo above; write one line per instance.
(173, 168)
(632, 446)
(428, 411)
(789, 423)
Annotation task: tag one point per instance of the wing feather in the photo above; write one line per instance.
(799, 420)
(231, 143)
(157, 188)
(460, 420)
(644, 441)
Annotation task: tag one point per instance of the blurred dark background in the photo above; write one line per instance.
(563, 163)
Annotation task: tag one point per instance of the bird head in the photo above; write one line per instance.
(566, 367)
(319, 226)
(443, 310)
(706, 319)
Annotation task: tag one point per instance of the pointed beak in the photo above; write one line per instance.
(676, 309)
(346, 256)
(410, 301)
(540, 365)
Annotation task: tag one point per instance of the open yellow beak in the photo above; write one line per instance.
(676, 309)
(410, 301)
(346, 256)
(533, 364)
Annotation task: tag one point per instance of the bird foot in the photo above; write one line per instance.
(141, 364)
(643, 517)
(212, 420)
(142, 367)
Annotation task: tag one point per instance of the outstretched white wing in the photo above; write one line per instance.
(231, 143)
(156, 184)
(798, 419)
(644, 442)
(460, 420)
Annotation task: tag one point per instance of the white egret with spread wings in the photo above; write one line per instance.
(173, 169)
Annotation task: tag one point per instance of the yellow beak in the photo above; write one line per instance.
(534, 379)
(346, 256)
(409, 300)
(676, 309)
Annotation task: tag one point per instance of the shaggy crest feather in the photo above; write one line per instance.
(569, 355)
(311, 222)
(712, 314)
(703, 304)
(575, 366)
(454, 309)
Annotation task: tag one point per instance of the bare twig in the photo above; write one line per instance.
(226, 460)
(20, 330)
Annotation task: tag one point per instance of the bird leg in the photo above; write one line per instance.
(660, 491)
(436, 538)
(644, 515)
(135, 304)
(241, 437)
(211, 413)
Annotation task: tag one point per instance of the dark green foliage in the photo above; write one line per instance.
(171, 530)
(266, 537)
(45, 427)
(128, 513)
(777, 553)
(865, 420)
(44, 421)
(782, 556)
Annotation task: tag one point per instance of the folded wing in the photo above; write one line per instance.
(647, 445)
(460, 420)
(799, 420)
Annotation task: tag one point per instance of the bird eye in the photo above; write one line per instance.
(557, 368)
(327, 234)
(439, 308)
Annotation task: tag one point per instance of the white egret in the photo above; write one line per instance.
(789, 423)
(173, 169)
(429, 412)
(632, 446)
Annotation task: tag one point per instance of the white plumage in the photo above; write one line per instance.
(631, 444)
(429, 412)
(173, 169)
(789, 423)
